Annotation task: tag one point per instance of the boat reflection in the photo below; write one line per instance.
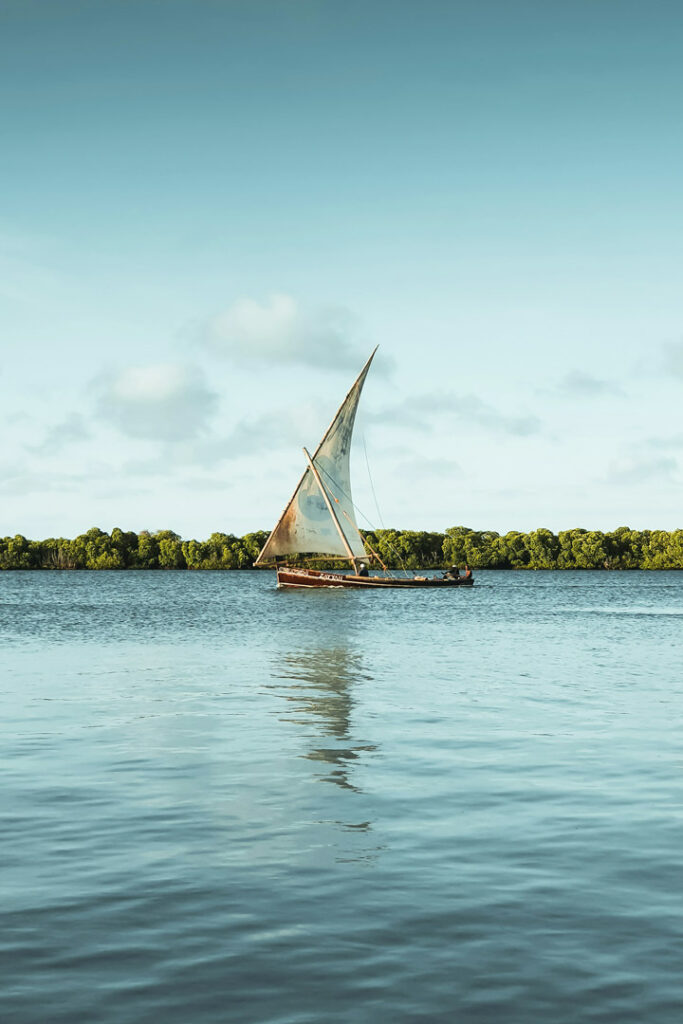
(319, 688)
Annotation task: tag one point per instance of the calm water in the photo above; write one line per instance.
(221, 802)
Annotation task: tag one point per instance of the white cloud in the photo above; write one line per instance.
(418, 413)
(280, 331)
(278, 430)
(578, 384)
(70, 430)
(640, 471)
(164, 402)
(433, 468)
(673, 359)
(20, 480)
(673, 442)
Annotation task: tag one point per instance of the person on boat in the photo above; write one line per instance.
(363, 569)
(452, 574)
(468, 572)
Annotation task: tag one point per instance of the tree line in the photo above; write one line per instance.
(623, 548)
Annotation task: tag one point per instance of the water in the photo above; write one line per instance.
(221, 802)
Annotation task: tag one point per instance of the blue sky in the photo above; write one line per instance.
(211, 212)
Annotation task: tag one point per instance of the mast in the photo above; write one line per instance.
(330, 509)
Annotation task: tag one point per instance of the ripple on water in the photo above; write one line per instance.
(221, 802)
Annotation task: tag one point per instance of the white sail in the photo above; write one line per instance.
(306, 525)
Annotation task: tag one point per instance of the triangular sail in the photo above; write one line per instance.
(306, 525)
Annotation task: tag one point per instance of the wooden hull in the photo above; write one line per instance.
(308, 578)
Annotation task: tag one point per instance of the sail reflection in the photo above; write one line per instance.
(319, 688)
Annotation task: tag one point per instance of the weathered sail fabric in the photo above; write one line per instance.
(306, 525)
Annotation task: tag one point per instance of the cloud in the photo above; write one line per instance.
(673, 359)
(277, 430)
(67, 432)
(675, 441)
(272, 430)
(279, 331)
(162, 402)
(578, 384)
(418, 413)
(423, 466)
(18, 480)
(17, 418)
(635, 471)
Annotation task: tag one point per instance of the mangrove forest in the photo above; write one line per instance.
(623, 548)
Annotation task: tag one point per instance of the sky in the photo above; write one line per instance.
(211, 211)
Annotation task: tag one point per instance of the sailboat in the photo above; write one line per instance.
(320, 517)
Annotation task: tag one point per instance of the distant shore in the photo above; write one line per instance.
(623, 548)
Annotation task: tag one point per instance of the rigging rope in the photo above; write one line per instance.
(321, 469)
(372, 486)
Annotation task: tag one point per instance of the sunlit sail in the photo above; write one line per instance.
(306, 525)
(320, 519)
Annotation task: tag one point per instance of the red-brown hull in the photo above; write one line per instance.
(307, 578)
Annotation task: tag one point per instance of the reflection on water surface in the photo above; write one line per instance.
(320, 689)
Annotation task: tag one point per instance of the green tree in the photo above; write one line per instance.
(170, 550)
(544, 549)
(663, 550)
(147, 554)
(624, 548)
(253, 542)
(513, 552)
(125, 545)
(455, 545)
(388, 547)
(17, 553)
(482, 549)
(589, 550)
(194, 553)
